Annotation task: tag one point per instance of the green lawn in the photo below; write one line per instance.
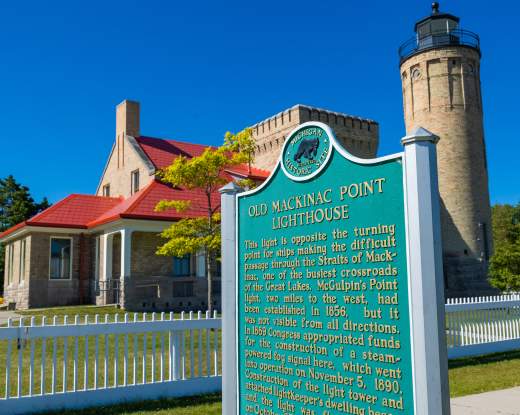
(199, 405)
(483, 374)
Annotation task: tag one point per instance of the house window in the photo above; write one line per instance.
(21, 270)
(200, 264)
(135, 181)
(181, 266)
(10, 260)
(106, 190)
(183, 289)
(218, 269)
(60, 262)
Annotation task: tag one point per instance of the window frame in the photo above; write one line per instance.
(133, 175)
(9, 265)
(21, 265)
(200, 256)
(106, 190)
(188, 258)
(71, 239)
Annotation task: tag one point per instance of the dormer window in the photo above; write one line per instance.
(134, 181)
(106, 190)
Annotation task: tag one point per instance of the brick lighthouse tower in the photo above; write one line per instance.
(440, 73)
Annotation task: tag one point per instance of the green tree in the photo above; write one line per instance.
(192, 235)
(504, 267)
(16, 205)
(506, 224)
(244, 144)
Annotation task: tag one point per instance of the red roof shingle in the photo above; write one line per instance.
(75, 211)
(162, 152)
(86, 211)
(142, 204)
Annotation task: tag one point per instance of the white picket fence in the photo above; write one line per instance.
(482, 325)
(67, 363)
(77, 362)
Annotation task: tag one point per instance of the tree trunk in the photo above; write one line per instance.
(208, 272)
(208, 252)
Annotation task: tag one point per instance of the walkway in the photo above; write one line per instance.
(503, 402)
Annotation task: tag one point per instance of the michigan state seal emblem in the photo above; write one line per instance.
(306, 151)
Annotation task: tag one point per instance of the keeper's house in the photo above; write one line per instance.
(100, 249)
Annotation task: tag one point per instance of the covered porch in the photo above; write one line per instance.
(130, 274)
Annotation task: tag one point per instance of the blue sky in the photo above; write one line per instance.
(201, 68)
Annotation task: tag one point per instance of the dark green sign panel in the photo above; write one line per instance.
(323, 310)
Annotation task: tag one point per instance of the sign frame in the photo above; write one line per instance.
(424, 264)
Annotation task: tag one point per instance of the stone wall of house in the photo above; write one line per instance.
(119, 169)
(441, 92)
(16, 273)
(359, 136)
(46, 292)
(153, 286)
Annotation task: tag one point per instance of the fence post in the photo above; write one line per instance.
(229, 346)
(426, 280)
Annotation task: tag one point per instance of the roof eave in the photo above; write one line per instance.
(40, 227)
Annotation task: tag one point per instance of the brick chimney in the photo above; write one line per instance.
(127, 123)
(127, 118)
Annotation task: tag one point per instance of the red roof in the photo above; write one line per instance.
(162, 152)
(84, 211)
(142, 204)
(242, 170)
(75, 211)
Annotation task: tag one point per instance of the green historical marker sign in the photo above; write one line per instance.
(338, 284)
(323, 311)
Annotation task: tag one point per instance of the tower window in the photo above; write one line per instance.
(134, 181)
(485, 237)
(106, 190)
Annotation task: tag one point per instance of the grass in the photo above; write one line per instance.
(484, 374)
(90, 311)
(66, 348)
(198, 405)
